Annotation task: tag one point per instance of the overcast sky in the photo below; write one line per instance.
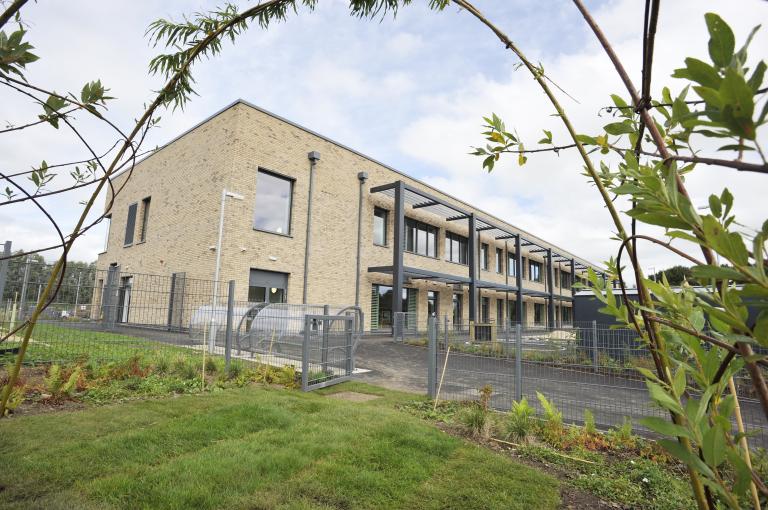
(409, 91)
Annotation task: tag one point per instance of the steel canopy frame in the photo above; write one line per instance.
(405, 194)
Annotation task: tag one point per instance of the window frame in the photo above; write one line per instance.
(145, 208)
(386, 225)
(511, 264)
(132, 224)
(420, 228)
(463, 252)
(539, 270)
(483, 256)
(500, 260)
(292, 182)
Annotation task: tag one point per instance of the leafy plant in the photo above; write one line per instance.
(476, 420)
(59, 384)
(17, 398)
(589, 422)
(552, 430)
(520, 420)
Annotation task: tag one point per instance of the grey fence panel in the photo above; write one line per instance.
(326, 350)
(575, 367)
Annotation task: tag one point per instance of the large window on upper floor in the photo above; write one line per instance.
(511, 265)
(499, 260)
(535, 271)
(455, 248)
(420, 238)
(144, 219)
(484, 256)
(274, 194)
(565, 280)
(130, 224)
(380, 223)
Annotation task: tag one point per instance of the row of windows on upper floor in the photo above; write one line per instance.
(421, 239)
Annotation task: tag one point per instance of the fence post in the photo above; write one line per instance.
(77, 292)
(326, 335)
(230, 319)
(24, 285)
(4, 269)
(305, 353)
(594, 346)
(432, 356)
(349, 324)
(518, 362)
(445, 332)
(108, 304)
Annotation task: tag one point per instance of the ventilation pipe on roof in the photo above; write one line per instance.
(362, 177)
(314, 157)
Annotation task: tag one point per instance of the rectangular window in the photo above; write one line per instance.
(512, 310)
(144, 219)
(274, 195)
(499, 260)
(380, 225)
(458, 305)
(535, 271)
(420, 238)
(130, 225)
(499, 311)
(538, 313)
(455, 248)
(565, 280)
(108, 221)
(484, 256)
(567, 318)
(432, 303)
(511, 265)
(485, 310)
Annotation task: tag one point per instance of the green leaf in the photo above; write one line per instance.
(661, 397)
(713, 446)
(714, 206)
(716, 272)
(757, 77)
(619, 128)
(700, 72)
(721, 40)
(586, 140)
(664, 427)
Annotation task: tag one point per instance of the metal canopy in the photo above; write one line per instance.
(419, 199)
(421, 274)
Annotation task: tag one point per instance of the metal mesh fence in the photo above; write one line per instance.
(112, 315)
(577, 367)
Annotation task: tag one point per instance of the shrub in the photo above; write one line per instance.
(15, 399)
(520, 420)
(589, 423)
(183, 367)
(211, 365)
(60, 385)
(162, 365)
(476, 420)
(621, 436)
(235, 369)
(552, 430)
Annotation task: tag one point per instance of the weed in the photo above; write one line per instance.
(211, 365)
(15, 399)
(520, 420)
(589, 423)
(61, 385)
(476, 420)
(621, 436)
(183, 368)
(552, 430)
(162, 365)
(235, 369)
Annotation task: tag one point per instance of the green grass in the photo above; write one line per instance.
(62, 344)
(255, 447)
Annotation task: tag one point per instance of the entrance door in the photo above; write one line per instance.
(267, 286)
(124, 298)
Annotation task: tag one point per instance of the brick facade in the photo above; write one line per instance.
(185, 179)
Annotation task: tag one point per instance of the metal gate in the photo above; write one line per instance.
(327, 350)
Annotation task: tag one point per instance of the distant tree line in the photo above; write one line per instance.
(39, 272)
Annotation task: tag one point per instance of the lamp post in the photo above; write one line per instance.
(212, 336)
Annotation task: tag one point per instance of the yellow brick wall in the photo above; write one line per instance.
(185, 180)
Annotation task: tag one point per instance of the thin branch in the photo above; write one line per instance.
(742, 166)
(11, 11)
(41, 121)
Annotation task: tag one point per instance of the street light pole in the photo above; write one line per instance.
(224, 195)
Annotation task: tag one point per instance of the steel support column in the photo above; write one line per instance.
(519, 279)
(4, 268)
(551, 285)
(573, 277)
(397, 249)
(472, 260)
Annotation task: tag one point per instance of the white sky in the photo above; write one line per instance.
(409, 91)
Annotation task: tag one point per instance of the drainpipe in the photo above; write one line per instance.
(362, 177)
(314, 157)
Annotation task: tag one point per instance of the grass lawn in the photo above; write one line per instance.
(67, 344)
(256, 447)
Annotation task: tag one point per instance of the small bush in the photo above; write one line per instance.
(552, 430)
(520, 420)
(476, 420)
(211, 366)
(162, 365)
(589, 423)
(60, 384)
(236, 369)
(621, 436)
(15, 399)
(183, 367)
